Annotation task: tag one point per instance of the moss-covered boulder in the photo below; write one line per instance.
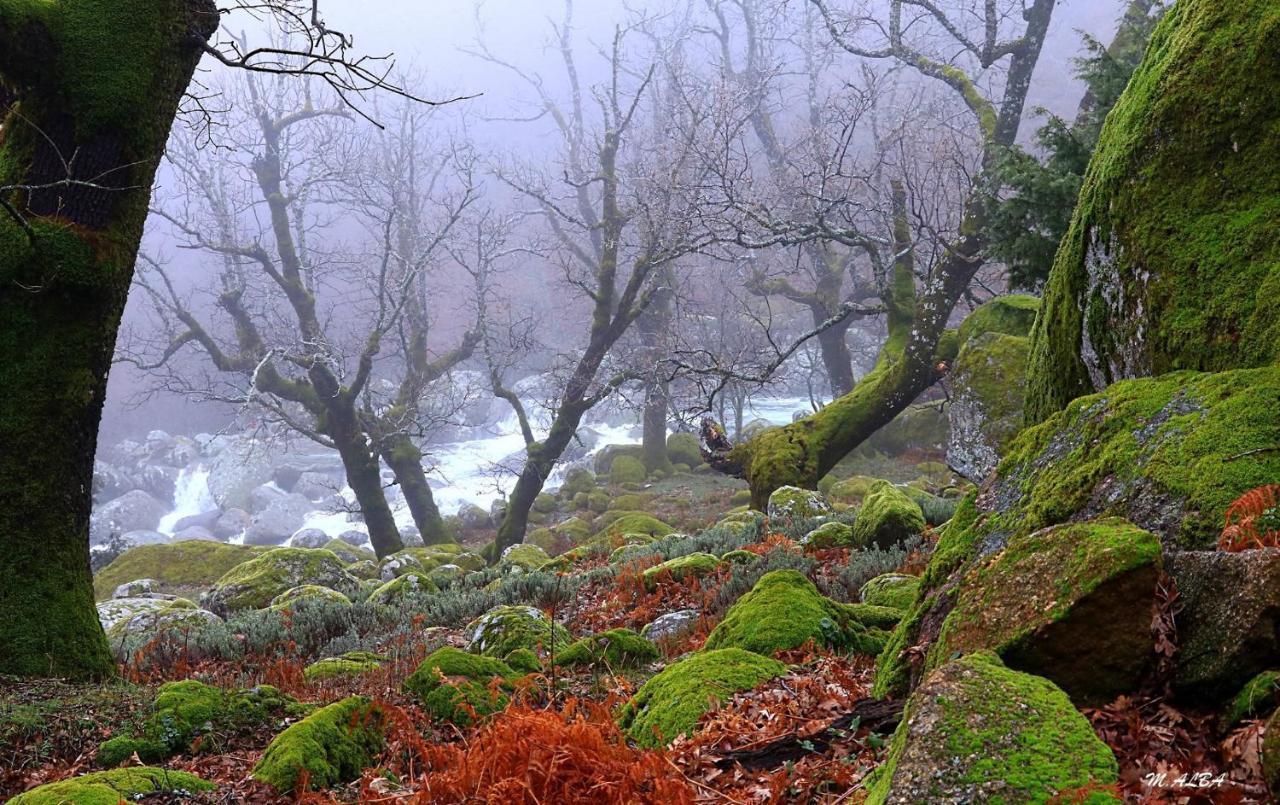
(740, 557)
(683, 448)
(504, 629)
(456, 686)
(977, 731)
(253, 584)
(332, 746)
(784, 611)
(577, 481)
(1172, 260)
(988, 384)
(851, 490)
(349, 553)
(115, 786)
(409, 560)
(1071, 603)
(1012, 314)
(893, 590)
(177, 567)
(615, 648)
(829, 535)
(523, 557)
(1229, 621)
(632, 523)
(351, 663)
(148, 616)
(789, 504)
(670, 704)
(1258, 697)
(689, 566)
(626, 470)
(308, 592)
(403, 588)
(888, 517)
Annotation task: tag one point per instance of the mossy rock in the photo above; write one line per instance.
(683, 448)
(615, 648)
(740, 557)
(632, 501)
(1257, 698)
(365, 570)
(893, 590)
(598, 501)
(1071, 603)
(445, 575)
(352, 663)
(577, 481)
(545, 503)
(632, 523)
(627, 470)
(670, 704)
(470, 562)
(793, 504)
(784, 611)
(605, 456)
(829, 535)
(411, 560)
(333, 745)
(504, 629)
(523, 661)
(852, 490)
(1012, 314)
(988, 383)
(350, 553)
(114, 786)
(1172, 258)
(977, 731)
(308, 592)
(456, 686)
(888, 518)
(524, 556)
(177, 566)
(122, 617)
(403, 588)
(694, 565)
(253, 584)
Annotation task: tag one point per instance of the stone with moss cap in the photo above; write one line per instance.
(504, 629)
(829, 535)
(112, 787)
(349, 553)
(402, 588)
(351, 663)
(626, 470)
(893, 590)
(331, 746)
(1172, 259)
(888, 517)
(253, 584)
(988, 383)
(523, 557)
(1011, 314)
(852, 489)
(977, 731)
(683, 448)
(456, 686)
(614, 648)
(784, 610)
(176, 567)
(670, 704)
(307, 592)
(632, 523)
(1072, 603)
(793, 504)
(680, 568)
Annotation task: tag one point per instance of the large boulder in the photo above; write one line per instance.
(1229, 624)
(253, 584)
(976, 731)
(275, 524)
(1072, 603)
(988, 384)
(456, 687)
(331, 746)
(179, 567)
(1172, 260)
(888, 518)
(179, 613)
(116, 785)
(241, 466)
(793, 504)
(504, 629)
(132, 511)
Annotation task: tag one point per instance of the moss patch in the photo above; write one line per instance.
(253, 584)
(110, 787)
(670, 704)
(352, 663)
(893, 590)
(332, 745)
(693, 565)
(1258, 697)
(633, 523)
(504, 629)
(456, 686)
(887, 518)
(178, 567)
(615, 648)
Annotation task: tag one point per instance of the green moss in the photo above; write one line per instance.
(693, 565)
(253, 584)
(410, 585)
(979, 731)
(740, 557)
(631, 501)
(615, 648)
(310, 592)
(683, 448)
(456, 686)
(578, 481)
(893, 590)
(526, 556)
(352, 663)
(523, 661)
(351, 553)
(1013, 315)
(887, 518)
(852, 490)
(111, 787)
(1172, 260)
(1257, 698)
(670, 704)
(177, 566)
(504, 629)
(784, 611)
(626, 470)
(332, 745)
(791, 503)
(829, 535)
(633, 523)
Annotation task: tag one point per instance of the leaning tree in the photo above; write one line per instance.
(88, 92)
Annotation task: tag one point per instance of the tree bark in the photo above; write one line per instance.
(540, 461)
(405, 460)
(99, 83)
(836, 358)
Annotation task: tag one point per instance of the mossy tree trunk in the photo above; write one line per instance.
(90, 89)
(651, 327)
(405, 460)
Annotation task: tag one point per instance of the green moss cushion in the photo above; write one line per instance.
(887, 518)
(253, 584)
(456, 686)
(671, 703)
(332, 745)
(111, 787)
(615, 648)
(689, 566)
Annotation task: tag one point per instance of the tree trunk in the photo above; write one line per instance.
(653, 438)
(652, 326)
(364, 476)
(836, 358)
(96, 85)
(405, 460)
(541, 459)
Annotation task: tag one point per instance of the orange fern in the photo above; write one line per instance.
(1253, 520)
